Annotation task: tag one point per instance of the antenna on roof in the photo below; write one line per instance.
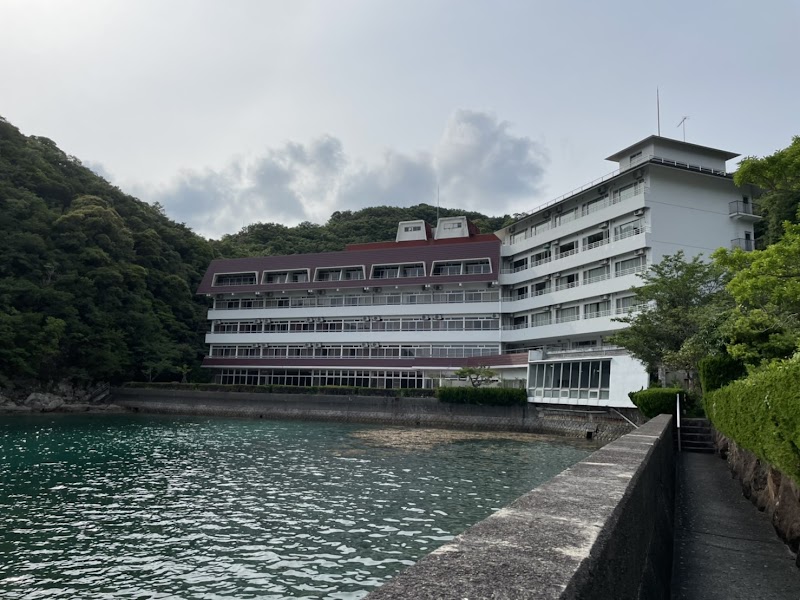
(683, 123)
(437, 202)
(658, 112)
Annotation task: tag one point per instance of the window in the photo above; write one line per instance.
(596, 239)
(631, 265)
(328, 274)
(453, 268)
(628, 191)
(628, 229)
(540, 257)
(540, 319)
(572, 381)
(568, 216)
(275, 277)
(541, 288)
(408, 228)
(519, 265)
(540, 227)
(385, 271)
(452, 225)
(626, 305)
(565, 315)
(592, 310)
(520, 293)
(477, 267)
(567, 281)
(567, 249)
(596, 274)
(634, 158)
(594, 205)
(229, 279)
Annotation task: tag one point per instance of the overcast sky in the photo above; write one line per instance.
(240, 111)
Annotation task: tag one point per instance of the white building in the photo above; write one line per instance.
(536, 300)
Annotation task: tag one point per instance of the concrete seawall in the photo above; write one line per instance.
(422, 412)
(601, 529)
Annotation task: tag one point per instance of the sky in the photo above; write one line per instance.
(229, 113)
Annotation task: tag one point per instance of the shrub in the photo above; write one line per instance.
(657, 401)
(762, 414)
(719, 370)
(485, 396)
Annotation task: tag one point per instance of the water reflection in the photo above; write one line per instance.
(147, 507)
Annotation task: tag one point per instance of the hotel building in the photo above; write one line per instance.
(535, 301)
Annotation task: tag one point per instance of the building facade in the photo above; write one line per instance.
(535, 300)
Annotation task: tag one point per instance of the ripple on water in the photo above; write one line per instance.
(105, 507)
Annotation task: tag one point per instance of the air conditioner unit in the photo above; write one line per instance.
(605, 261)
(437, 287)
(377, 290)
(310, 320)
(258, 293)
(495, 315)
(512, 229)
(556, 306)
(426, 317)
(375, 345)
(546, 214)
(364, 319)
(317, 345)
(438, 317)
(604, 225)
(376, 319)
(546, 246)
(268, 294)
(606, 297)
(308, 345)
(602, 189)
(638, 173)
(321, 292)
(319, 319)
(555, 275)
(638, 212)
(366, 289)
(639, 252)
(427, 286)
(559, 209)
(365, 345)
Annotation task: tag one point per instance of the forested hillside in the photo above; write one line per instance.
(96, 285)
(373, 224)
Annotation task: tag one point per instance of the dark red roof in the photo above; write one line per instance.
(480, 246)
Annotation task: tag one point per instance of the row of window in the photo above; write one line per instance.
(591, 310)
(364, 350)
(355, 273)
(637, 264)
(550, 252)
(389, 299)
(324, 377)
(365, 324)
(580, 211)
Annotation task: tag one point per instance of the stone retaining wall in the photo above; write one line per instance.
(601, 529)
(766, 487)
(423, 412)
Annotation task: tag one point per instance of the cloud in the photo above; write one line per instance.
(478, 164)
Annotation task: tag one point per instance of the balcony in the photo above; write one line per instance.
(745, 244)
(746, 211)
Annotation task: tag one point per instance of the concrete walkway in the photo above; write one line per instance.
(724, 547)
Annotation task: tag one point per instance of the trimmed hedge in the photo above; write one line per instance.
(762, 413)
(719, 370)
(286, 389)
(657, 401)
(481, 395)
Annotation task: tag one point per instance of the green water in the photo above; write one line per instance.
(196, 508)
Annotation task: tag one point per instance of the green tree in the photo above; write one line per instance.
(477, 376)
(765, 323)
(778, 175)
(683, 303)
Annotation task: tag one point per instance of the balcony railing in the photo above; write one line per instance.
(745, 244)
(364, 300)
(743, 208)
(589, 315)
(597, 278)
(617, 238)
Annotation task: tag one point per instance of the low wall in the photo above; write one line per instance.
(601, 529)
(766, 487)
(423, 412)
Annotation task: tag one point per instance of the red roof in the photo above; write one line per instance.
(456, 249)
